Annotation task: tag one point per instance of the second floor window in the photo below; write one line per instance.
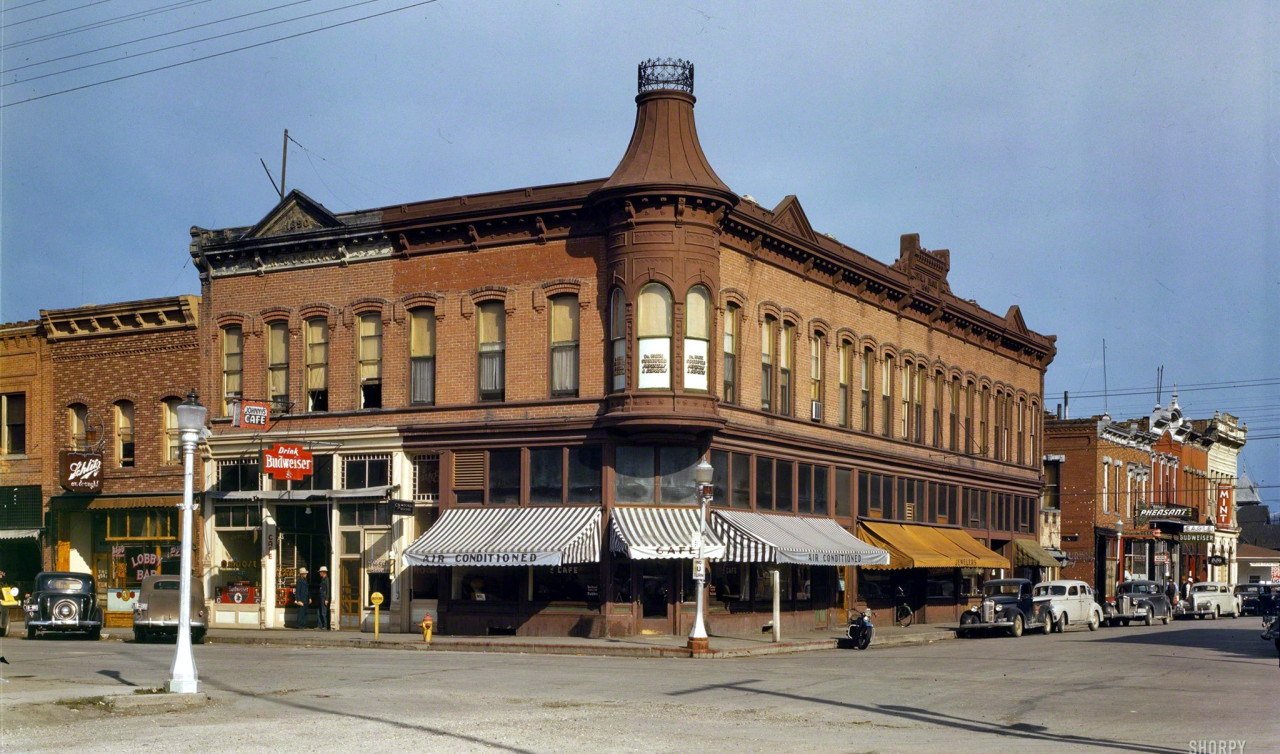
(564, 346)
(232, 366)
(422, 356)
(886, 396)
(653, 337)
(766, 362)
(124, 433)
(697, 337)
(786, 353)
(730, 369)
(864, 408)
(492, 339)
(78, 426)
(14, 408)
(815, 377)
(370, 361)
(617, 341)
(317, 333)
(278, 366)
(172, 439)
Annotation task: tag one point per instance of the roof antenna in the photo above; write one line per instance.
(1105, 408)
(284, 162)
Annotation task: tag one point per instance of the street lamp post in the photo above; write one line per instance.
(182, 674)
(1119, 550)
(702, 474)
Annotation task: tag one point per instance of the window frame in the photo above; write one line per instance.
(494, 351)
(316, 370)
(569, 382)
(125, 433)
(729, 348)
(232, 365)
(10, 427)
(277, 365)
(422, 317)
(369, 388)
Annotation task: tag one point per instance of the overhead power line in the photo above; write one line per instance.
(109, 22)
(55, 13)
(214, 55)
(1187, 388)
(16, 7)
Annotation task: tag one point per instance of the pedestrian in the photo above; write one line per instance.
(1186, 590)
(302, 597)
(322, 599)
(1171, 591)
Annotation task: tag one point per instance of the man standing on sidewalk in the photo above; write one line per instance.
(302, 598)
(322, 599)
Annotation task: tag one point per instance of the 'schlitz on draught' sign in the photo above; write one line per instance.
(290, 462)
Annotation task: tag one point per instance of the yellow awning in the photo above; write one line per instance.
(1029, 553)
(912, 546)
(986, 557)
(906, 548)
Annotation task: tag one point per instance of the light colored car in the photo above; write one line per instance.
(156, 612)
(1072, 603)
(1209, 599)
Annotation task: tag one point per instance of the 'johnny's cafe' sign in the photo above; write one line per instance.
(289, 462)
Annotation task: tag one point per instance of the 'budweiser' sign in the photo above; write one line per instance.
(291, 462)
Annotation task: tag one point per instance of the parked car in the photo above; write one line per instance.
(1249, 594)
(8, 601)
(156, 611)
(1071, 603)
(1138, 599)
(1209, 599)
(1007, 604)
(63, 601)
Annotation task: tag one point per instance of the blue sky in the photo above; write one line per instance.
(1111, 168)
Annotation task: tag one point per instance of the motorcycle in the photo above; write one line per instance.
(861, 630)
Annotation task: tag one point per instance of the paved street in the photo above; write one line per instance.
(1123, 689)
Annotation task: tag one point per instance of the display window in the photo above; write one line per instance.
(567, 583)
(487, 584)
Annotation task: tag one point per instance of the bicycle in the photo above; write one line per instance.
(903, 614)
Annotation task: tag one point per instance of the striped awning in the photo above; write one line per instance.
(552, 535)
(1029, 553)
(19, 533)
(648, 533)
(770, 538)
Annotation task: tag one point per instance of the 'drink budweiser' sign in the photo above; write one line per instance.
(80, 471)
(290, 462)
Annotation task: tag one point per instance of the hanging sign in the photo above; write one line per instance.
(80, 471)
(252, 414)
(1224, 506)
(290, 462)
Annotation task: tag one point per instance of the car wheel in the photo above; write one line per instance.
(1149, 618)
(1215, 613)
(1060, 625)
(197, 637)
(1094, 621)
(1164, 620)
(95, 634)
(1016, 629)
(4, 624)
(140, 635)
(1124, 622)
(31, 632)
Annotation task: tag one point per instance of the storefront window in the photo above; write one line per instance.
(644, 469)
(941, 584)
(730, 582)
(359, 472)
(567, 583)
(236, 576)
(496, 584)
(873, 585)
(238, 475)
(762, 585)
(504, 477)
(364, 514)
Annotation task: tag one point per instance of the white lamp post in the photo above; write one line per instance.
(182, 674)
(702, 474)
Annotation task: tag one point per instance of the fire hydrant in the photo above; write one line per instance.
(427, 627)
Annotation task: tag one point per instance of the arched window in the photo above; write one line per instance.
(422, 356)
(278, 366)
(564, 345)
(232, 366)
(78, 426)
(886, 396)
(124, 433)
(317, 334)
(653, 331)
(492, 339)
(618, 340)
(868, 374)
(697, 336)
(370, 355)
(816, 387)
(730, 369)
(846, 372)
(786, 357)
(767, 334)
(953, 434)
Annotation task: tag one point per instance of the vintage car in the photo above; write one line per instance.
(156, 611)
(1138, 599)
(63, 601)
(8, 601)
(1071, 602)
(1209, 600)
(1007, 605)
(1249, 595)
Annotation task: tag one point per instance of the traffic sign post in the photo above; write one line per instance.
(376, 600)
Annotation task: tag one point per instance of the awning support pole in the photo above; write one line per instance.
(777, 604)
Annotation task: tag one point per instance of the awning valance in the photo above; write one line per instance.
(1029, 553)
(300, 496)
(912, 546)
(141, 501)
(770, 538)
(647, 533)
(19, 533)
(552, 535)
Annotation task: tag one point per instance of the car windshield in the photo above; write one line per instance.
(1055, 589)
(63, 584)
(1205, 588)
(1249, 589)
(1137, 588)
(168, 586)
(998, 588)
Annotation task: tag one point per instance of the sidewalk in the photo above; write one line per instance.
(721, 647)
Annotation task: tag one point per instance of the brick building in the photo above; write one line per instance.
(505, 396)
(118, 372)
(26, 456)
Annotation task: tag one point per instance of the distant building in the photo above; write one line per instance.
(26, 455)
(1256, 527)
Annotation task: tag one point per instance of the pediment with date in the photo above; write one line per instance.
(790, 216)
(296, 213)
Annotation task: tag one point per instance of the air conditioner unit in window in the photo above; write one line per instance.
(815, 408)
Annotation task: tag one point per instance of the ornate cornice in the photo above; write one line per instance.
(127, 318)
